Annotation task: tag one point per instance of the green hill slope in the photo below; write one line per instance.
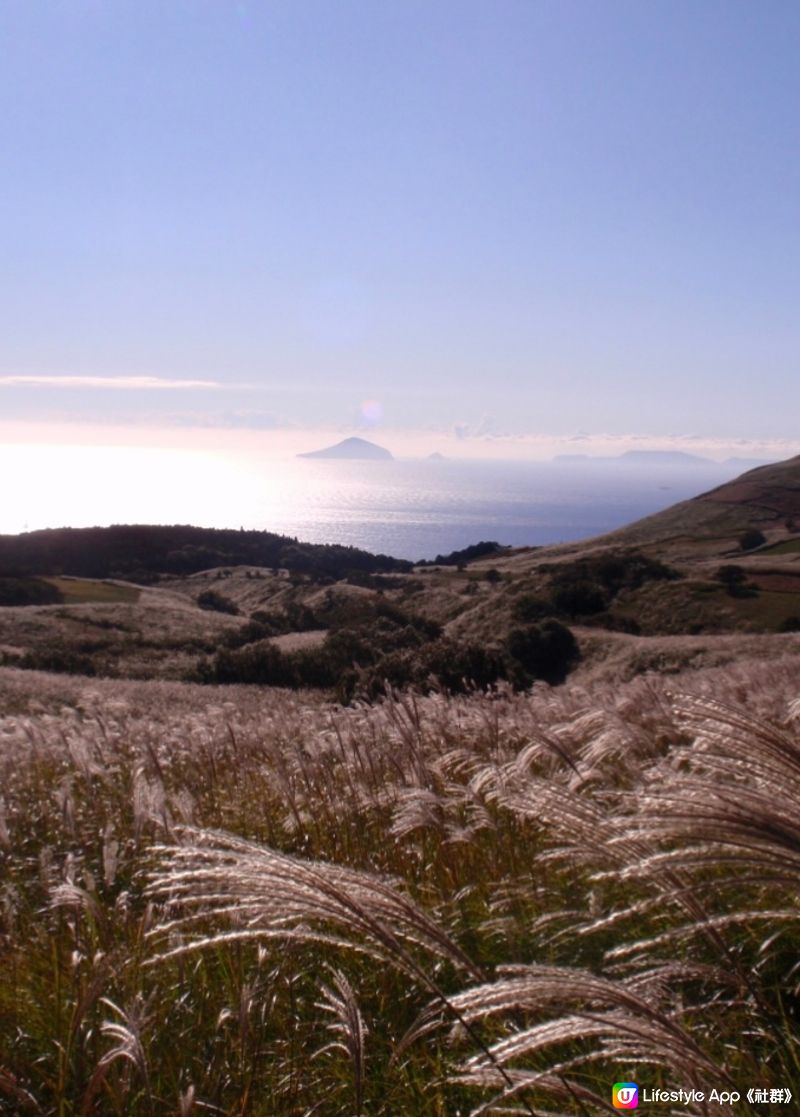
(766, 498)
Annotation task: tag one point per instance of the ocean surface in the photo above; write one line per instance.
(418, 509)
(408, 508)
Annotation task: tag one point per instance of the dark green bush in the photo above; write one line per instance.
(466, 554)
(459, 667)
(443, 663)
(59, 659)
(578, 597)
(529, 607)
(629, 570)
(217, 602)
(28, 591)
(734, 579)
(249, 633)
(751, 539)
(588, 586)
(261, 663)
(300, 618)
(544, 651)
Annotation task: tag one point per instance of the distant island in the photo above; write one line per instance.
(663, 457)
(640, 457)
(351, 448)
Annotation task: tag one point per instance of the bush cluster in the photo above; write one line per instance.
(589, 586)
(217, 602)
(378, 645)
(734, 579)
(465, 555)
(751, 539)
(57, 658)
(28, 591)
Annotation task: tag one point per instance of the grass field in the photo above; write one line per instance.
(85, 591)
(787, 547)
(249, 902)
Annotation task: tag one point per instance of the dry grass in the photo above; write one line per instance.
(251, 902)
(158, 635)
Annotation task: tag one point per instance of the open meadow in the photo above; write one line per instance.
(254, 901)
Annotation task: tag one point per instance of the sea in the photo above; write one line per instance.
(421, 509)
(413, 509)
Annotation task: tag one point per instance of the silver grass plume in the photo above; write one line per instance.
(625, 1022)
(347, 1028)
(270, 895)
(261, 893)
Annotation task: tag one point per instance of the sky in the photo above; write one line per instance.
(508, 223)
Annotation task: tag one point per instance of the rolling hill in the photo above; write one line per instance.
(766, 498)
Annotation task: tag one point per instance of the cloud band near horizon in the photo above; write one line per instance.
(120, 383)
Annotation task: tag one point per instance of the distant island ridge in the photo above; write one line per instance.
(659, 457)
(355, 448)
(351, 448)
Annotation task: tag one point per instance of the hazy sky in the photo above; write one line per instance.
(512, 215)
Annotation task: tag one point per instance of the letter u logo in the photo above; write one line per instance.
(625, 1095)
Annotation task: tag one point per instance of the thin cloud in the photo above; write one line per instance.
(123, 383)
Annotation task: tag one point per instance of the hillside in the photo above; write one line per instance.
(766, 498)
(140, 552)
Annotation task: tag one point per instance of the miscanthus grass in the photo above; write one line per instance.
(256, 903)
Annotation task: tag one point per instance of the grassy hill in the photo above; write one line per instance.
(766, 499)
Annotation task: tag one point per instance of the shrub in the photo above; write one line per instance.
(630, 570)
(300, 618)
(734, 579)
(59, 659)
(443, 663)
(460, 667)
(257, 663)
(211, 599)
(751, 539)
(28, 591)
(544, 651)
(579, 597)
(529, 607)
(249, 633)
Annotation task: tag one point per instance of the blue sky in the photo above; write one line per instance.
(526, 217)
